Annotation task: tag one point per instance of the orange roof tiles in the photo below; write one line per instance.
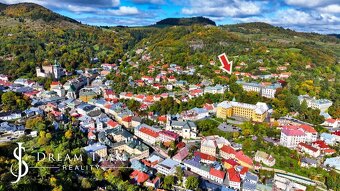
(228, 149)
(233, 175)
(240, 156)
(204, 156)
(127, 119)
(112, 123)
(217, 173)
(139, 176)
(149, 132)
(308, 128)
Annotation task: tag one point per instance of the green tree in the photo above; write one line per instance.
(168, 182)
(21, 104)
(292, 103)
(68, 134)
(8, 100)
(85, 183)
(303, 107)
(192, 183)
(179, 173)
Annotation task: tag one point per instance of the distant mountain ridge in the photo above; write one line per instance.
(185, 21)
(32, 11)
(335, 35)
(2, 6)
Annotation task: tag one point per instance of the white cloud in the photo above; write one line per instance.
(334, 8)
(124, 10)
(309, 21)
(116, 20)
(311, 3)
(40, 2)
(220, 8)
(79, 9)
(115, 3)
(303, 15)
(149, 1)
(296, 17)
(292, 16)
(72, 5)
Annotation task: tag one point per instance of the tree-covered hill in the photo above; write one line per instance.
(2, 6)
(264, 28)
(31, 35)
(32, 11)
(185, 21)
(33, 17)
(24, 45)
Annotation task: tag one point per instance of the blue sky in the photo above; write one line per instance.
(322, 16)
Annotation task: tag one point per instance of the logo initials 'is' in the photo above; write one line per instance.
(22, 165)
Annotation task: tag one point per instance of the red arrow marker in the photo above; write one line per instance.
(226, 65)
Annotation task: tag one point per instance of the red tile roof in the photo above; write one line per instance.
(292, 132)
(107, 105)
(54, 83)
(112, 123)
(217, 173)
(169, 134)
(129, 94)
(139, 176)
(109, 92)
(149, 132)
(233, 175)
(309, 147)
(196, 91)
(228, 149)
(181, 154)
(330, 120)
(127, 119)
(204, 156)
(162, 118)
(180, 145)
(90, 134)
(31, 93)
(230, 161)
(140, 96)
(149, 98)
(337, 133)
(5, 83)
(321, 144)
(244, 158)
(244, 170)
(308, 128)
(329, 151)
(293, 127)
(208, 106)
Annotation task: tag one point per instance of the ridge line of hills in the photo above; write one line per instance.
(35, 12)
(32, 34)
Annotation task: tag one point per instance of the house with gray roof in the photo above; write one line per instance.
(186, 129)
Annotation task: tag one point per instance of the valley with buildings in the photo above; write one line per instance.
(150, 108)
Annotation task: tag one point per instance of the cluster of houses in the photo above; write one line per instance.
(267, 90)
(282, 75)
(232, 173)
(118, 137)
(281, 71)
(322, 105)
(305, 139)
(312, 102)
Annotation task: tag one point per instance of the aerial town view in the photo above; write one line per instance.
(169, 95)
